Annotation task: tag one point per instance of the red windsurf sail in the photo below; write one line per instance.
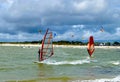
(46, 50)
(90, 47)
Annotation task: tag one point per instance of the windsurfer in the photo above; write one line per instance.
(39, 51)
(46, 49)
(90, 45)
(52, 53)
(39, 54)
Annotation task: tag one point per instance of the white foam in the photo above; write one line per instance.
(72, 62)
(115, 62)
(91, 59)
(116, 79)
(75, 62)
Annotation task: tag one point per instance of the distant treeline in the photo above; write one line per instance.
(63, 42)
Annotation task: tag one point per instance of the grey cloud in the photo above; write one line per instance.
(50, 10)
(59, 15)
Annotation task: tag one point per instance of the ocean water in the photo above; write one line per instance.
(17, 64)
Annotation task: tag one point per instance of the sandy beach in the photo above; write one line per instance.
(63, 46)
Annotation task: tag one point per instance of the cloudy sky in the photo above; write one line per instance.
(20, 20)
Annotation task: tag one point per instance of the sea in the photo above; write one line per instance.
(68, 64)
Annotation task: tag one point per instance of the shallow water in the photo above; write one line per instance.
(66, 65)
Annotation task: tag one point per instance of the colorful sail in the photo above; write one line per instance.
(90, 47)
(46, 50)
(40, 31)
(102, 29)
(54, 34)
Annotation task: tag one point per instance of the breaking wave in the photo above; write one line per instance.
(72, 62)
(115, 62)
(75, 62)
(116, 79)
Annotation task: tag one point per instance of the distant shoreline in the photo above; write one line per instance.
(63, 46)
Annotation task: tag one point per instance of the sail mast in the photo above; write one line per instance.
(41, 53)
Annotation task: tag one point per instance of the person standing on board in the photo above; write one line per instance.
(39, 54)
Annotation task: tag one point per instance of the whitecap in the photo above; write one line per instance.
(115, 62)
(74, 62)
(116, 79)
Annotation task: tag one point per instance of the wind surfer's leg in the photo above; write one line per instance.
(39, 57)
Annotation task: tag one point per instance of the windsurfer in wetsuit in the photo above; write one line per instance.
(39, 54)
(52, 53)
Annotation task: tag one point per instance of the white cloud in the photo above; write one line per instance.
(78, 26)
(98, 35)
(20, 37)
(93, 6)
(117, 31)
(116, 15)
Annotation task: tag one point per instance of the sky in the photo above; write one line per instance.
(21, 20)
